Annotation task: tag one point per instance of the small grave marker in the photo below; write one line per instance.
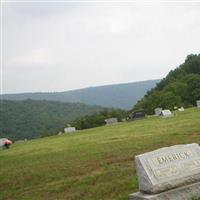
(158, 111)
(111, 121)
(198, 103)
(181, 109)
(69, 129)
(166, 113)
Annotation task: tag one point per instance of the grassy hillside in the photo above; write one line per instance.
(181, 87)
(31, 119)
(122, 96)
(91, 164)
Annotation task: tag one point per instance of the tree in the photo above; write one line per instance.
(181, 87)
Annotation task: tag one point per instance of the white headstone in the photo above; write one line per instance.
(166, 113)
(181, 109)
(69, 129)
(198, 103)
(175, 107)
(111, 121)
(2, 140)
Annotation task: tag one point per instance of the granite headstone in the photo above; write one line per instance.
(168, 172)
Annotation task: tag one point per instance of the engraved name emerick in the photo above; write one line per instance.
(168, 167)
(174, 163)
(171, 157)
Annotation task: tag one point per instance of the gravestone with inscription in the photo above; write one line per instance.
(169, 173)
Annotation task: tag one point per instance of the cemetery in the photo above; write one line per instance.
(95, 96)
(151, 159)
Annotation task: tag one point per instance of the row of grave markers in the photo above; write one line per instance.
(132, 116)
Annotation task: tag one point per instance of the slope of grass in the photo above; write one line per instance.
(91, 164)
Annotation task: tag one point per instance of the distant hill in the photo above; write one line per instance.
(181, 87)
(122, 96)
(32, 119)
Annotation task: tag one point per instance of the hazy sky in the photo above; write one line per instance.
(63, 46)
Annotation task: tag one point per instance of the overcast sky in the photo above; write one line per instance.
(64, 46)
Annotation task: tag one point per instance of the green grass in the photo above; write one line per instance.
(91, 164)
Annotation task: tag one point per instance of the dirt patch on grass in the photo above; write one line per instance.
(116, 159)
(195, 134)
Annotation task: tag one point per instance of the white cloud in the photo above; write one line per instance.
(74, 46)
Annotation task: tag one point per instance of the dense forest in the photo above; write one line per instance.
(122, 96)
(31, 119)
(181, 87)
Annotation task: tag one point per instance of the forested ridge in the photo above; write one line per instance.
(32, 119)
(122, 96)
(181, 87)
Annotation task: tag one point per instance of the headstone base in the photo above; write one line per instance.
(182, 193)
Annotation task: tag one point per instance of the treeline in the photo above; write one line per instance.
(98, 119)
(32, 119)
(181, 87)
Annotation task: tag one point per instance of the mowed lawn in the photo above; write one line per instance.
(91, 164)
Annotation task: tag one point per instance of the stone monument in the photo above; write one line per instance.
(198, 103)
(181, 109)
(166, 113)
(111, 121)
(158, 111)
(69, 130)
(170, 173)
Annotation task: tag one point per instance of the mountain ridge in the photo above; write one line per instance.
(123, 95)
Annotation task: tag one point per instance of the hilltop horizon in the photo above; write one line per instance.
(81, 88)
(122, 96)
